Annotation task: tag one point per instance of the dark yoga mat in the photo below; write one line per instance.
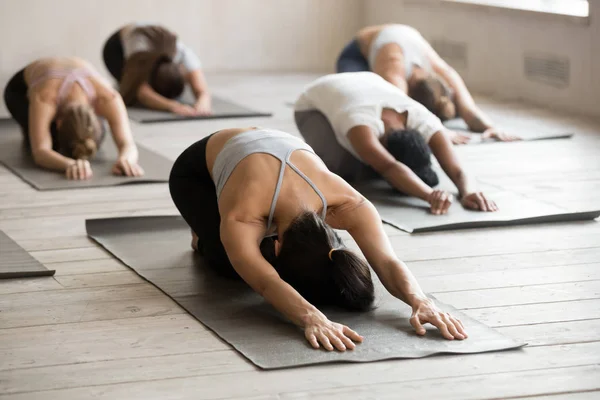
(15, 262)
(525, 134)
(412, 215)
(221, 109)
(158, 249)
(16, 157)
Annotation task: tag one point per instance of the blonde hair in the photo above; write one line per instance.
(79, 131)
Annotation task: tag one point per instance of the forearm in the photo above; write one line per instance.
(476, 119)
(464, 183)
(155, 101)
(396, 79)
(289, 302)
(401, 283)
(404, 179)
(52, 160)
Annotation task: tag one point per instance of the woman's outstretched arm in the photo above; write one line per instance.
(198, 83)
(241, 241)
(402, 178)
(442, 149)
(365, 226)
(113, 109)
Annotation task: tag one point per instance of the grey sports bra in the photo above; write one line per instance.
(279, 144)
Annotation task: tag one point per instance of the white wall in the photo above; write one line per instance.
(496, 43)
(242, 35)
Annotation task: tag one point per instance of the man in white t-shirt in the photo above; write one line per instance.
(358, 118)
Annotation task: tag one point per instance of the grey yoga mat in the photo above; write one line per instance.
(15, 156)
(524, 134)
(412, 214)
(158, 249)
(221, 109)
(15, 262)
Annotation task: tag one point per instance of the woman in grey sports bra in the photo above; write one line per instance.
(262, 207)
(401, 55)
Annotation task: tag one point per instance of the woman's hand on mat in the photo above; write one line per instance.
(493, 133)
(425, 311)
(79, 170)
(203, 105)
(478, 201)
(183, 110)
(127, 166)
(458, 138)
(440, 201)
(320, 331)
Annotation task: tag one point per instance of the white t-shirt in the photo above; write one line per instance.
(357, 98)
(134, 42)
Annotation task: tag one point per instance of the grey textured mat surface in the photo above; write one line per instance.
(412, 215)
(158, 249)
(221, 109)
(15, 262)
(15, 156)
(525, 133)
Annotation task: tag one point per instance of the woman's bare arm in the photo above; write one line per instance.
(241, 241)
(364, 225)
(41, 114)
(199, 86)
(442, 149)
(113, 109)
(374, 154)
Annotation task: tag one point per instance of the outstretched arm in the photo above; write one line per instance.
(241, 241)
(203, 100)
(364, 225)
(41, 114)
(113, 109)
(374, 154)
(446, 155)
(475, 118)
(148, 97)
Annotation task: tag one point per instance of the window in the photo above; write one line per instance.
(575, 8)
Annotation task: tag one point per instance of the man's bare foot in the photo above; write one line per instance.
(194, 241)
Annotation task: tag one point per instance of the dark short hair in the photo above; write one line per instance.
(167, 79)
(435, 96)
(303, 262)
(409, 147)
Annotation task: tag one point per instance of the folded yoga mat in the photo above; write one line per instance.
(15, 156)
(17, 263)
(221, 109)
(158, 249)
(525, 134)
(412, 215)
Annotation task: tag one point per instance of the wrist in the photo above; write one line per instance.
(310, 316)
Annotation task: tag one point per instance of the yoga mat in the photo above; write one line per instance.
(158, 249)
(221, 109)
(412, 215)
(528, 135)
(17, 263)
(17, 157)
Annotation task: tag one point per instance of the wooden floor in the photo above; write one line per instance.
(97, 330)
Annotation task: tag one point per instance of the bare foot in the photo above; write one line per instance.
(194, 241)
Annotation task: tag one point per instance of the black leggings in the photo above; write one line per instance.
(17, 103)
(352, 59)
(114, 59)
(195, 196)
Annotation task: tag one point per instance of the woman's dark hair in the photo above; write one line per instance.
(304, 263)
(435, 96)
(155, 66)
(409, 147)
(78, 131)
(167, 79)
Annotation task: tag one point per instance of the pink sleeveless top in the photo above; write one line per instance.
(70, 76)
